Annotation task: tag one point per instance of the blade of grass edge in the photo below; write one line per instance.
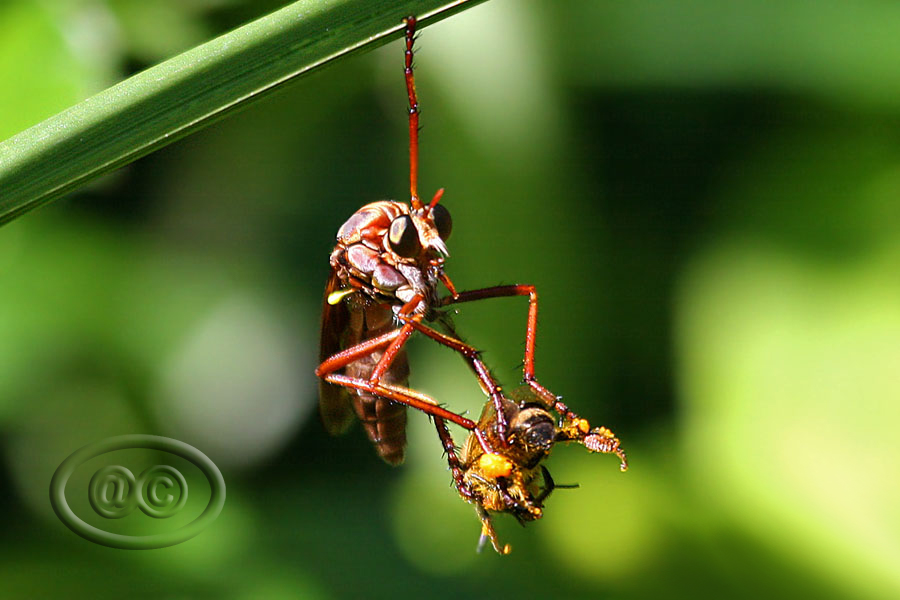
(188, 92)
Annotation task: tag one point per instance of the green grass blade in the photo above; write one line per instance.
(172, 99)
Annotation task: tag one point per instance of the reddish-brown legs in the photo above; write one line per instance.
(413, 115)
(453, 459)
(374, 385)
(397, 344)
(505, 291)
(402, 395)
(471, 356)
(393, 341)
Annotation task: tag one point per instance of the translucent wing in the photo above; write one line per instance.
(334, 401)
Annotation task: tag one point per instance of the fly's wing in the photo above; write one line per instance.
(334, 401)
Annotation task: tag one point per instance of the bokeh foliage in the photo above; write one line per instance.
(705, 193)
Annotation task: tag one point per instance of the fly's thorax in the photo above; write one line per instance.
(369, 223)
(390, 253)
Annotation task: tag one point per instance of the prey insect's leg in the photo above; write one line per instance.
(403, 396)
(488, 533)
(470, 355)
(549, 486)
(598, 439)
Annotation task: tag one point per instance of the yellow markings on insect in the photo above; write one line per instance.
(605, 432)
(582, 425)
(335, 297)
(494, 465)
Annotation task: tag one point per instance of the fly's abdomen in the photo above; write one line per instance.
(384, 420)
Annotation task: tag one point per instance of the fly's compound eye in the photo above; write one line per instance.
(404, 237)
(442, 220)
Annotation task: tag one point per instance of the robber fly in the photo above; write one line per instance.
(510, 478)
(385, 272)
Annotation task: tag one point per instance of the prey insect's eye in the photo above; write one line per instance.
(541, 435)
(442, 220)
(403, 237)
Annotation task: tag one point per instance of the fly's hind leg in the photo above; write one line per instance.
(402, 395)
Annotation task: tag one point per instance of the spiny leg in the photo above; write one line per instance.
(354, 353)
(413, 114)
(453, 459)
(599, 439)
(471, 356)
(528, 371)
(401, 337)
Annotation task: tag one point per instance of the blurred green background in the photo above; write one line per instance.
(706, 194)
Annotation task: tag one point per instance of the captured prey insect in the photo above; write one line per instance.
(510, 478)
(385, 272)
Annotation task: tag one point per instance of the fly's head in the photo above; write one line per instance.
(415, 245)
(419, 236)
(393, 252)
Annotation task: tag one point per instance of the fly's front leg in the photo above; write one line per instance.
(505, 291)
(400, 338)
(573, 428)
